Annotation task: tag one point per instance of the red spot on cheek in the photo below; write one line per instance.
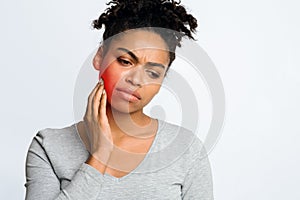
(108, 91)
(111, 76)
(108, 86)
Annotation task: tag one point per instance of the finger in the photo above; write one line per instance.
(96, 101)
(90, 99)
(102, 108)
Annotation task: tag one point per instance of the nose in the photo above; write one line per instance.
(135, 77)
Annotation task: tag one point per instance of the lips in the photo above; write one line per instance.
(128, 94)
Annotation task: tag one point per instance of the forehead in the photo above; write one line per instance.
(142, 42)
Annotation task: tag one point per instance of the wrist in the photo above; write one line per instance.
(96, 163)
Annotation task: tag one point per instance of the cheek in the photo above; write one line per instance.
(150, 91)
(111, 77)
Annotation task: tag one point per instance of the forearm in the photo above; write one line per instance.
(86, 184)
(43, 183)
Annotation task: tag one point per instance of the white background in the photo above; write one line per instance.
(254, 45)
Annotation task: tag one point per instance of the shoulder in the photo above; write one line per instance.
(57, 137)
(60, 148)
(59, 144)
(178, 142)
(179, 135)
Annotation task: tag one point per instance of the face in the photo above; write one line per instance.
(133, 69)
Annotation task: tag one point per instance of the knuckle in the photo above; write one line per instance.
(103, 122)
(87, 118)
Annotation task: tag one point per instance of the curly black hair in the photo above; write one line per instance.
(169, 15)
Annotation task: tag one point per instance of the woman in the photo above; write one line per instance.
(117, 151)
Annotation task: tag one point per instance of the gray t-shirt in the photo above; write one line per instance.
(176, 167)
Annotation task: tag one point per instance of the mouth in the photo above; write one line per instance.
(128, 95)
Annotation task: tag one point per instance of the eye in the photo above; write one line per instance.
(123, 62)
(153, 74)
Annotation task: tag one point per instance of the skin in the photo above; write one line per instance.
(115, 127)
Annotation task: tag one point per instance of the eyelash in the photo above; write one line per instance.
(152, 74)
(123, 62)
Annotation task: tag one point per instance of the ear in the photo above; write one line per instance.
(98, 59)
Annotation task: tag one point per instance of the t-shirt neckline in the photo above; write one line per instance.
(113, 178)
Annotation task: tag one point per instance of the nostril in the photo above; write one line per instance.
(129, 81)
(134, 83)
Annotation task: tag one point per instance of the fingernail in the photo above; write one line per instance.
(101, 81)
(103, 92)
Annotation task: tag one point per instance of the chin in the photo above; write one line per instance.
(124, 107)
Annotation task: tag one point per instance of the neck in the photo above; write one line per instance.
(128, 125)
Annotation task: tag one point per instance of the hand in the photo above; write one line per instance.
(96, 124)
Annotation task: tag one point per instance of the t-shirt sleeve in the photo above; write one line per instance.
(198, 180)
(42, 182)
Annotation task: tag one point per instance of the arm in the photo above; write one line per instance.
(198, 181)
(42, 182)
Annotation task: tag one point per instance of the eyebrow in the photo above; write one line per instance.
(135, 58)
